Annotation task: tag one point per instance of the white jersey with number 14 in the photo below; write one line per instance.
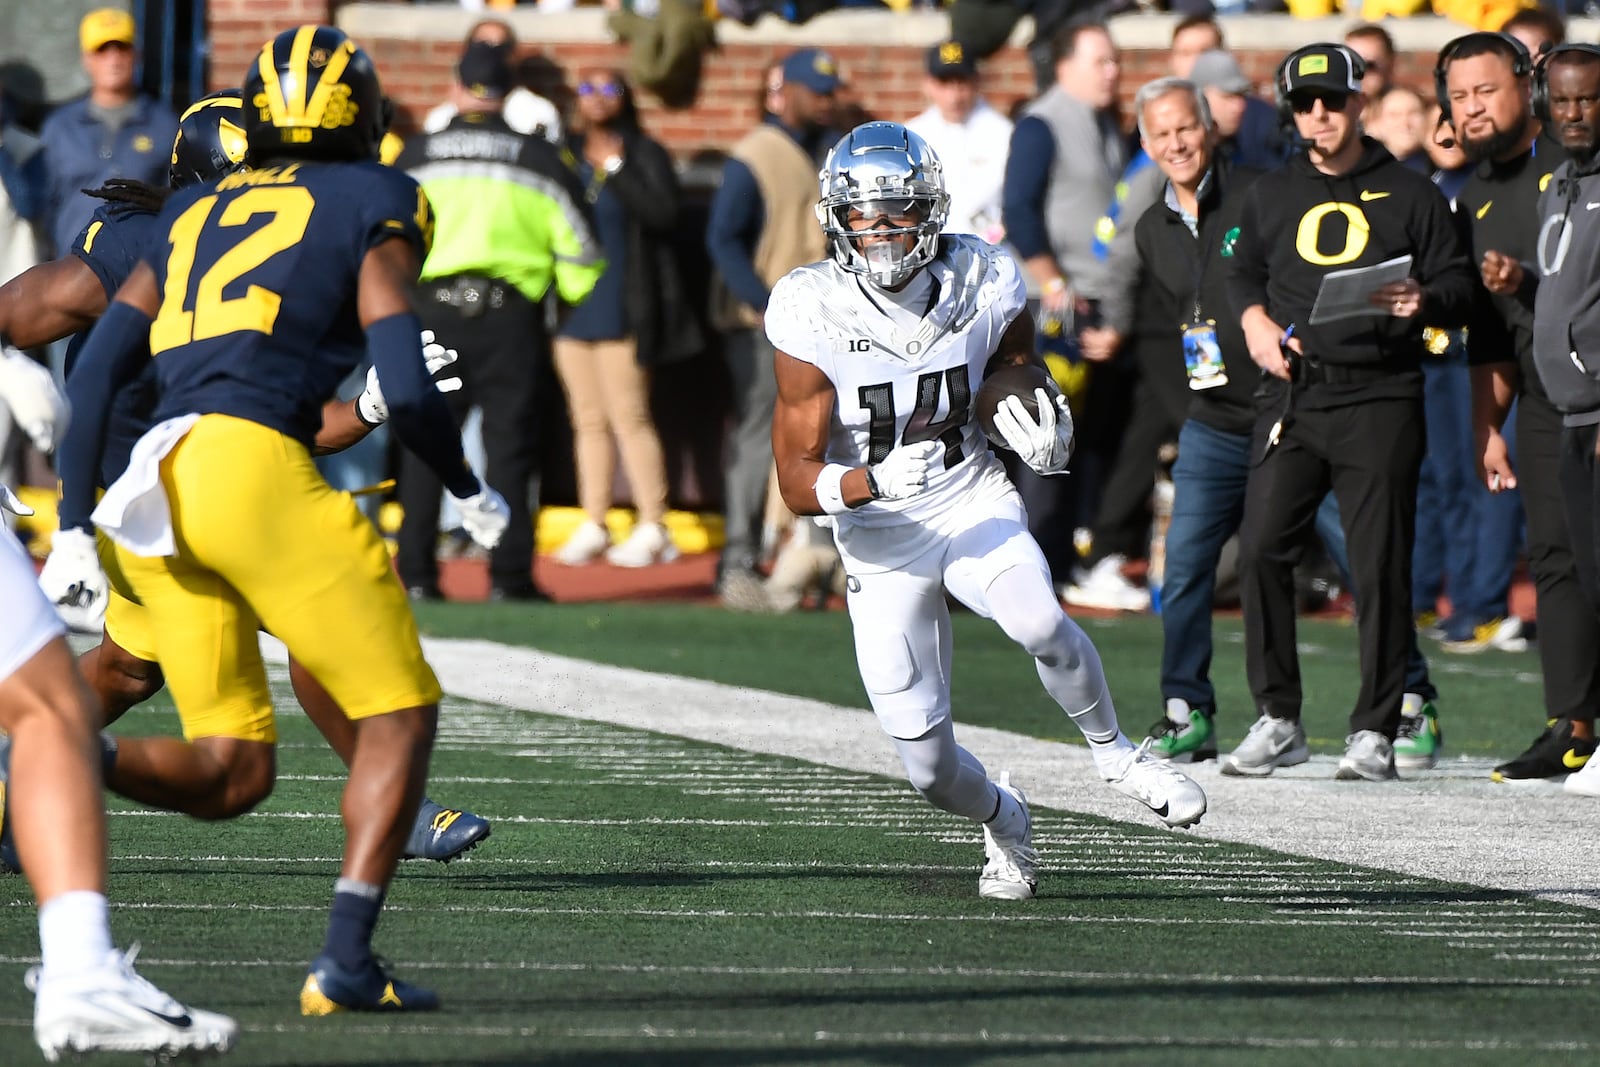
(898, 380)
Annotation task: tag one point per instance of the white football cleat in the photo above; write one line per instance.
(1011, 870)
(1161, 787)
(114, 1009)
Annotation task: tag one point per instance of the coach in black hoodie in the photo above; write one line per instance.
(1344, 409)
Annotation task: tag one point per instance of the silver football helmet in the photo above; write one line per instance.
(887, 181)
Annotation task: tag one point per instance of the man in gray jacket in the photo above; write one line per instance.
(1067, 153)
(1566, 340)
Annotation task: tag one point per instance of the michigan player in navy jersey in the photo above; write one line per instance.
(51, 300)
(271, 284)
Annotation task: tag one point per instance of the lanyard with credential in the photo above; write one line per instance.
(1202, 354)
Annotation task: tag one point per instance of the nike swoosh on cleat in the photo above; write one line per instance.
(181, 1020)
(1572, 760)
(1162, 810)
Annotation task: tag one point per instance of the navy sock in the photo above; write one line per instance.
(351, 921)
(108, 756)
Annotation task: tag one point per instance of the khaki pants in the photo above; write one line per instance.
(609, 393)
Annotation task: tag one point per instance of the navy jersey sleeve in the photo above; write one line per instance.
(397, 207)
(112, 244)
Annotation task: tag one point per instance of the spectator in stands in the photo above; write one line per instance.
(969, 137)
(1067, 155)
(1376, 48)
(1538, 28)
(1248, 128)
(22, 201)
(1193, 36)
(762, 226)
(1398, 120)
(114, 131)
(23, 192)
(635, 319)
(524, 111)
(770, 100)
(512, 226)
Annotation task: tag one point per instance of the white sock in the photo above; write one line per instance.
(74, 932)
(1411, 704)
(1009, 820)
(1111, 757)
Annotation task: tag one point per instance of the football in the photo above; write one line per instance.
(1009, 380)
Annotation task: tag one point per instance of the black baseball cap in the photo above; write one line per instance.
(485, 70)
(952, 59)
(1321, 68)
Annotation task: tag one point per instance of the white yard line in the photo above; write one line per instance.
(1452, 824)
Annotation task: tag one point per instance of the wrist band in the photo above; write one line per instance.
(872, 485)
(829, 492)
(362, 415)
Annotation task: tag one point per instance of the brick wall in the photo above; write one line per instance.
(416, 54)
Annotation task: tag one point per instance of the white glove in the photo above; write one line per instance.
(484, 514)
(904, 471)
(74, 582)
(1046, 445)
(9, 502)
(374, 409)
(29, 390)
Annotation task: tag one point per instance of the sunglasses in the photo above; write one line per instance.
(611, 89)
(1303, 102)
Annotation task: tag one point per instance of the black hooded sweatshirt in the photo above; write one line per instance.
(1300, 224)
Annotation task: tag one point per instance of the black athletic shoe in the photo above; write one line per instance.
(1555, 754)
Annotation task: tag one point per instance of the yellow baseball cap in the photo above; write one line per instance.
(107, 25)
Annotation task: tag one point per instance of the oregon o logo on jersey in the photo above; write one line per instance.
(1308, 239)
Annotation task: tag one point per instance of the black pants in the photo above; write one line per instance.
(1122, 523)
(1370, 455)
(1569, 632)
(503, 350)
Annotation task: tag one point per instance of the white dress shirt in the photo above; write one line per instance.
(974, 157)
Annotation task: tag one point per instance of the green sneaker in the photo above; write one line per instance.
(1184, 734)
(1419, 741)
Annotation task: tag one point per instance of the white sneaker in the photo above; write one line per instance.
(1368, 755)
(1011, 870)
(648, 543)
(1271, 743)
(1103, 586)
(1585, 782)
(113, 1009)
(1161, 787)
(585, 544)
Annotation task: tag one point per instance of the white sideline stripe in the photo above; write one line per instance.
(775, 1038)
(1467, 831)
(553, 967)
(1355, 919)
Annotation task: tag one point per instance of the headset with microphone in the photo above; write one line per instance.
(1481, 42)
(1541, 74)
(1280, 85)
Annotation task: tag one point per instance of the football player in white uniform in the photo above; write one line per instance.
(880, 350)
(88, 997)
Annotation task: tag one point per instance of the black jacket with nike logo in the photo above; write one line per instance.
(1501, 203)
(1299, 225)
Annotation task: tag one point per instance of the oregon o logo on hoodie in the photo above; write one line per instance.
(1308, 238)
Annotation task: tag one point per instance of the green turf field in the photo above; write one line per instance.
(651, 900)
